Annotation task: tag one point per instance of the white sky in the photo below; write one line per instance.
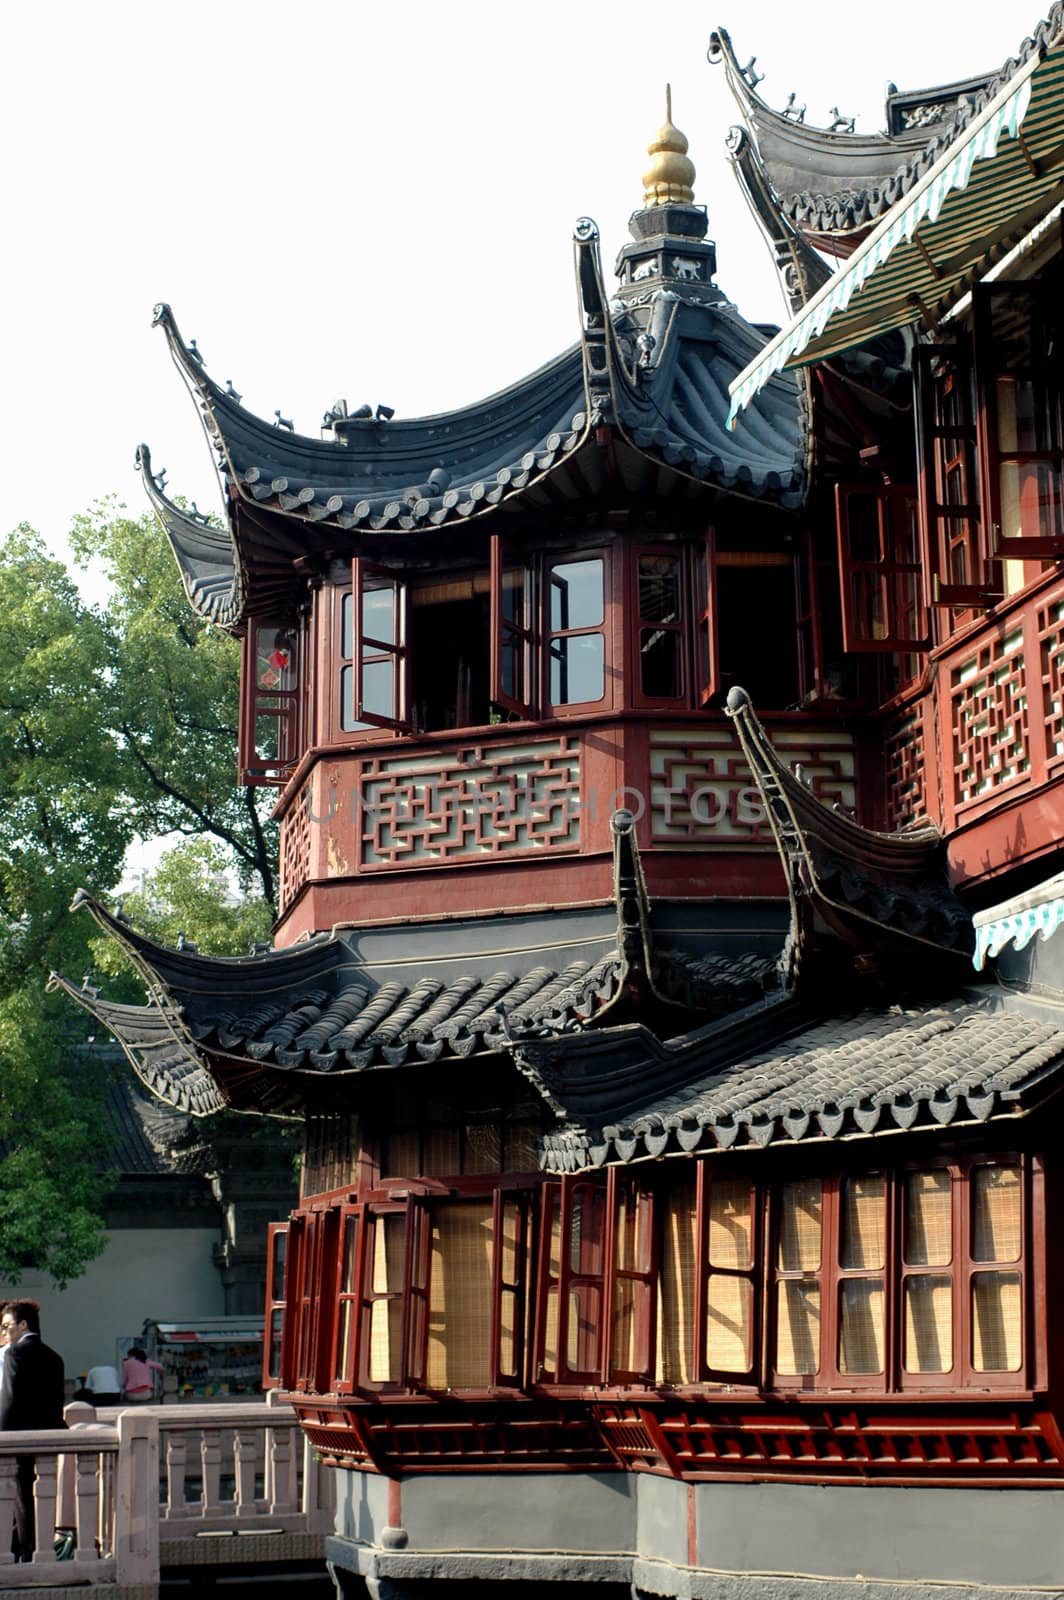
(367, 200)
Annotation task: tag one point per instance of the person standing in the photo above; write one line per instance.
(31, 1396)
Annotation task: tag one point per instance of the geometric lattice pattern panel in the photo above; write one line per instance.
(295, 848)
(467, 803)
(990, 718)
(904, 769)
(702, 793)
(1051, 649)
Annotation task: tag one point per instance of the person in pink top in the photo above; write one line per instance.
(138, 1385)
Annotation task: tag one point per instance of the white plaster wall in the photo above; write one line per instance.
(165, 1273)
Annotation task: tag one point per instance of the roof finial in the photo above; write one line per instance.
(669, 179)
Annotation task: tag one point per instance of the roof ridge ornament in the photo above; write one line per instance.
(670, 176)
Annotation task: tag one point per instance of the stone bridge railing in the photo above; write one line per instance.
(124, 1493)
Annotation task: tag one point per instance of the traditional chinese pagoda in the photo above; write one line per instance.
(668, 754)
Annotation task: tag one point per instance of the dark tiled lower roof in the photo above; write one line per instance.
(875, 1072)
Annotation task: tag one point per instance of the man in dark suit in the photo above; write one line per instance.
(31, 1396)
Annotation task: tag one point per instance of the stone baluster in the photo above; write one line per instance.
(247, 1451)
(176, 1455)
(211, 1458)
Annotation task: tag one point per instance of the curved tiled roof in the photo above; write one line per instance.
(533, 444)
(840, 183)
(873, 1072)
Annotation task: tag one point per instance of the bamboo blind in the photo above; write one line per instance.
(995, 1213)
(928, 1322)
(996, 1322)
(459, 1330)
(928, 1218)
(730, 1224)
(802, 1209)
(386, 1315)
(797, 1326)
(676, 1288)
(862, 1245)
(861, 1325)
(729, 1318)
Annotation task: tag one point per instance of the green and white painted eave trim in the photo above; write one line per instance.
(962, 206)
(1017, 921)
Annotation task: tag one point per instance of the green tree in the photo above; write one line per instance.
(115, 721)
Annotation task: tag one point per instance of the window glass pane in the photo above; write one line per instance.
(659, 589)
(345, 1328)
(513, 664)
(508, 1347)
(632, 1230)
(928, 1218)
(347, 642)
(995, 1213)
(513, 595)
(588, 1228)
(350, 1256)
(378, 611)
(631, 1320)
(510, 1242)
(459, 1347)
(1030, 500)
(279, 1249)
(862, 1235)
(276, 1320)
(801, 1210)
(267, 736)
(275, 657)
(996, 1322)
(729, 1319)
(730, 1224)
(385, 1341)
(798, 1326)
(928, 1323)
(348, 720)
(378, 687)
(585, 1319)
(861, 1325)
(661, 663)
(577, 671)
(676, 1304)
(576, 595)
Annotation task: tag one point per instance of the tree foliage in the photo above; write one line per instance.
(116, 721)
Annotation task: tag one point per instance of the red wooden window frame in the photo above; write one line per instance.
(962, 1377)
(347, 1322)
(513, 636)
(369, 650)
(640, 627)
(512, 1289)
(952, 510)
(1043, 374)
(550, 634)
(705, 634)
(577, 1286)
(272, 694)
(632, 1253)
(707, 1267)
(883, 576)
(371, 1296)
(276, 1332)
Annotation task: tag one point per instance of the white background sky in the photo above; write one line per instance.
(367, 200)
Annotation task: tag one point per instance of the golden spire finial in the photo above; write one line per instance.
(670, 177)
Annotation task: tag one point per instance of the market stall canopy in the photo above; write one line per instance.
(988, 188)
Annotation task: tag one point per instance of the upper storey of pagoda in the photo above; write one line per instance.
(632, 414)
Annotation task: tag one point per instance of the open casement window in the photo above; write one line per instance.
(1018, 361)
(707, 649)
(381, 1362)
(271, 697)
(657, 591)
(954, 526)
(273, 1344)
(631, 1301)
(512, 1231)
(348, 1278)
(881, 573)
(572, 1281)
(513, 609)
(576, 631)
(798, 1298)
(706, 1281)
(374, 681)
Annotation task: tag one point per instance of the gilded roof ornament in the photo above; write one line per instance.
(670, 177)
